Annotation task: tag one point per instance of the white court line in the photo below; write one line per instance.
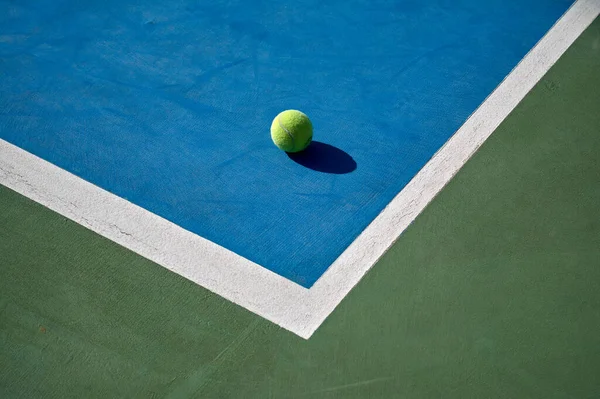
(265, 293)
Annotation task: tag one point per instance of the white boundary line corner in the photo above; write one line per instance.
(247, 284)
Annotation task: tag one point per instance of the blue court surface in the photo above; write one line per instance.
(169, 104)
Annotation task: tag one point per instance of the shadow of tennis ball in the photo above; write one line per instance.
(324, 158)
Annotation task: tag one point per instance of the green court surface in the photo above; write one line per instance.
(491, 293)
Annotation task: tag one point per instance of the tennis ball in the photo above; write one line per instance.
(291, 131)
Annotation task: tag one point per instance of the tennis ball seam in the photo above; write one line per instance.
(288, 132)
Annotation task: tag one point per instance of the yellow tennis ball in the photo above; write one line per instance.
(291, 131)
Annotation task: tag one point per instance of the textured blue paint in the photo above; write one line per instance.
(169, 103)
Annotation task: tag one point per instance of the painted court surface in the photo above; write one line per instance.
(491, 292)
(169, 105)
